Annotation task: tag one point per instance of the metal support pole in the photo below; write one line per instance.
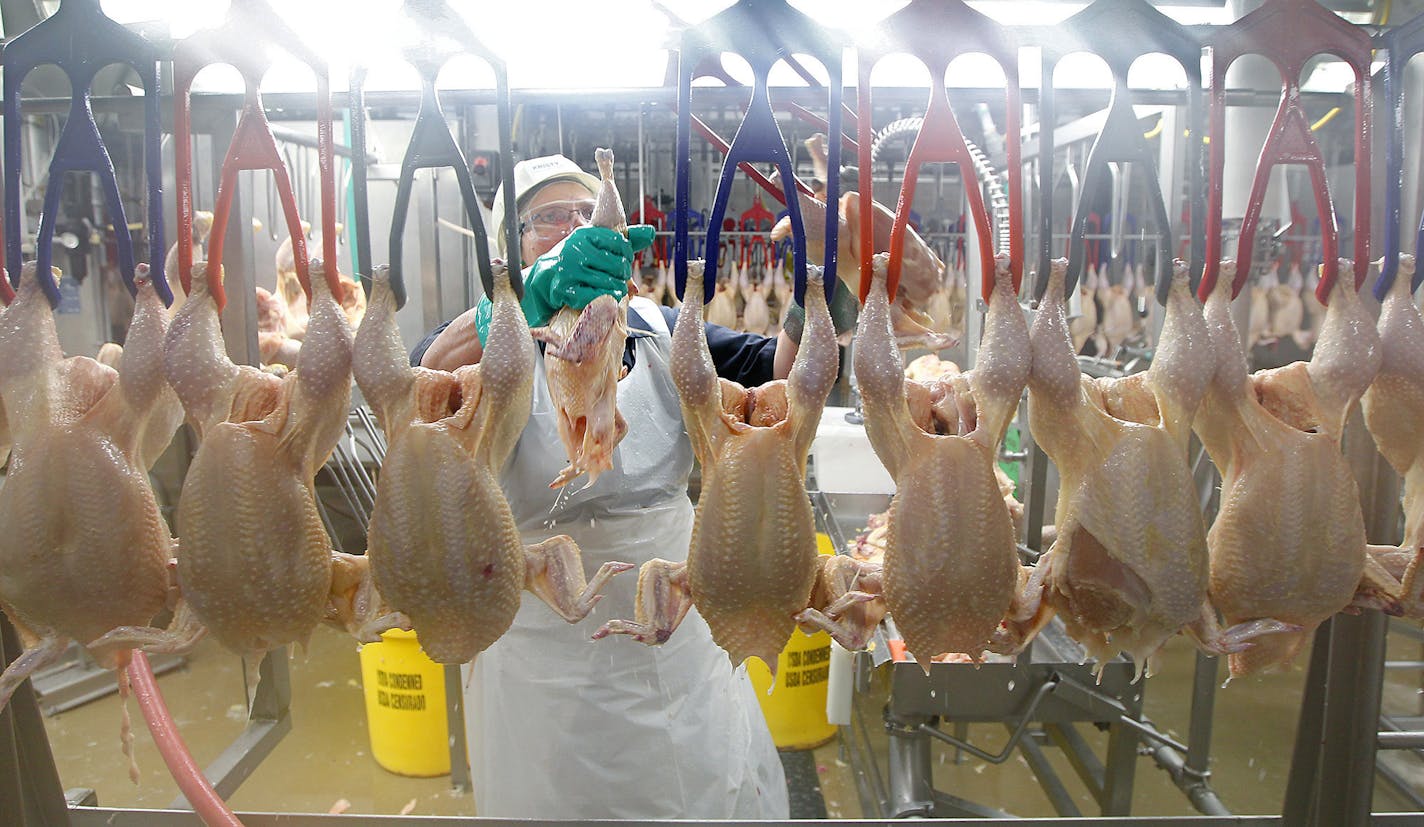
(1202, 797)
(30, 792)
(1401, 740)
(455, 715)
(1121, 770)
(1345, 786)
(911, 781)
(1203, 708)
(268, 722)
(1299, 802)
(1052, 785)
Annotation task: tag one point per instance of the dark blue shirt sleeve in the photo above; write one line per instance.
(744, 358)
(418, 352)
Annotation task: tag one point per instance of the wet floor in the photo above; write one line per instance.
(326, 757)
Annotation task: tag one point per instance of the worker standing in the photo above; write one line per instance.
(561, 726)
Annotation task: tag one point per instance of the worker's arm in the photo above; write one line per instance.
(450, 345)
(785, 355)
(591, 262)
(748, 359)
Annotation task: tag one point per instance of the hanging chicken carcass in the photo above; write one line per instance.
(756, 313)
(255, 566)
(1394, 413)
(583, 359)
(1287, 310)
(1129, 566)
(445, 555)
(1084, 326)
(1289, 539)
(951, 564)
(85, 549)
(1118, 319)
(752, 569)
(722, 310)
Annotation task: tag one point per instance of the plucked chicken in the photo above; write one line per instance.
(351, 296)
(202, 228)
(922, 274)
(1287, 311)
(445, 555)
(255, 582)
(273, 344)
(1394, 413)
(951, 566)
(756, 313)
(289, 286)
(1129, 566)
(1314, 310)
(783, 290)
(584, 360)
(84, 436)
(1084, 326)
(1118, 319)
(752, 566)
(1289, 539)
(722, 310)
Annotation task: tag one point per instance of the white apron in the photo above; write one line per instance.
(561, 726)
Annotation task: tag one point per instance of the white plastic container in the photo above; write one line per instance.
(845, 463)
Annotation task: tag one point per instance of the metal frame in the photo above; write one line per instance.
(29, 782)
(269, 720)
(1047, 689)
(1039, 699)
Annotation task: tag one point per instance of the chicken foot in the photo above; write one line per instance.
(845, 602)
(554, 574)
(663, 598)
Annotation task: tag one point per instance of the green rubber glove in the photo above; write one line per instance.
(484, 310)
(591, 262)
(844, 307)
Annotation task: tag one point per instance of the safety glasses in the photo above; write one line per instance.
(558, 217)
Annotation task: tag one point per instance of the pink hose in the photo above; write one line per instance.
(194, 785)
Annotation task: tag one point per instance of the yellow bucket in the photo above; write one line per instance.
(405, 706)
(796, 708)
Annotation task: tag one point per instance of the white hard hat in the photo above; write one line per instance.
(530, 176)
